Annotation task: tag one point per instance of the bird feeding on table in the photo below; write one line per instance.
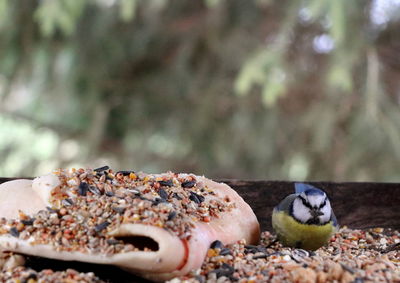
(304, 219)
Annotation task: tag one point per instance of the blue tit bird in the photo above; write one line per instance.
(304, 219)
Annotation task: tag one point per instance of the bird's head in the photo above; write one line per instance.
(311, 206)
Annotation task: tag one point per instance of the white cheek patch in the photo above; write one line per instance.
(300, 211)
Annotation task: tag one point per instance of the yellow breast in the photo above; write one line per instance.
(295, 234)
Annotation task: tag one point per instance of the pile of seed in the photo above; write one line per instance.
(351, 256)
(23, 274)
(90, 203)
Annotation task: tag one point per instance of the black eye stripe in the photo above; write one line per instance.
(323, 204)
(305, 202)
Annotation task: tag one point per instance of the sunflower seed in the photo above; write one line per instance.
(14, 232)
(171, 215)
(101, 169)
(67, 202)
(125, 172)
(196, 197)
(101, 226)
(216, 245)
(166, 183)
(83, 188)
(188, 184)
(94, 190)
(163, 194)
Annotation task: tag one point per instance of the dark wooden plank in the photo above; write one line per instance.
(357, 205)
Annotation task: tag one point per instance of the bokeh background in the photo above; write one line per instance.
(256, 89)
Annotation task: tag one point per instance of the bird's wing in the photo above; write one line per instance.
(334, 220)
(284, 205)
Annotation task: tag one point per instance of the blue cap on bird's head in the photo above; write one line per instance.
(311, 205)
(307, 189)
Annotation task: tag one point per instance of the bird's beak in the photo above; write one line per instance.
(315, 213)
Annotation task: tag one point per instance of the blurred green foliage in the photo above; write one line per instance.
(301, 90)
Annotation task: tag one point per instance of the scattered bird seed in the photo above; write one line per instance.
(14, 232)
(225, 270)
(225, 251)
(76, 224)
(393, 247)
(28, 221)
(113, 241)
(251, 248)
(196, 197)
(125, 172)
(347, 268)
(109, 194)
(260, 256)
(27, 275)
(171, 215)
(51, 210)
(136, 192)
(200, 279)
(312, 253)
(358, 261)
(101, 226)
(176, 196)
(32, 276)
(94, 190)
(188, 184)
(217, 244)
(163, 194)
(157, 201)
(67, 202)
(119, 210)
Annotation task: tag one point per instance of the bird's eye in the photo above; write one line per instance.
(323, 204)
